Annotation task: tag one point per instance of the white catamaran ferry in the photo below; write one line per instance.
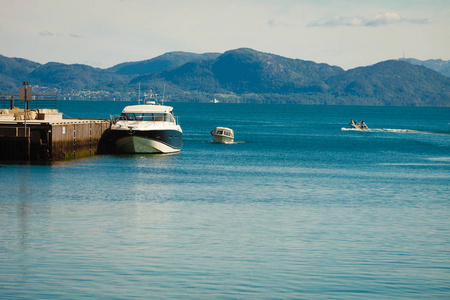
(147, 128)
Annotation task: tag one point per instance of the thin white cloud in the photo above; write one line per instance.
(48, 33)
(378, 20)
(274, 23)
(45, 33)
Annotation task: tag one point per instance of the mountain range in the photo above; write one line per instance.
(238, 76)
(439, 65)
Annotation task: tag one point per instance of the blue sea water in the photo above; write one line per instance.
(297, 208)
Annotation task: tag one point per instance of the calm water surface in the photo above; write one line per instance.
(297, 208)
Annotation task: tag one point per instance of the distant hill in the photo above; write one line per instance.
(16, 67)
(246, 75)
(239, 76)
(245, 71)
(439, 65)
(166, 61)
(13, 71)
(392, 83)
(75, 77)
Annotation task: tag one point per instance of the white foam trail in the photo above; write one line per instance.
(233, 143)
(386, 130)
(445, 159)
(399, 130)
(409, 164)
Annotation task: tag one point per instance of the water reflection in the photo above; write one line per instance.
(23, 209)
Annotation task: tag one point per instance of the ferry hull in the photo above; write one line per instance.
(157, 141)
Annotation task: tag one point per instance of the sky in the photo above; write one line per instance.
(103, 33)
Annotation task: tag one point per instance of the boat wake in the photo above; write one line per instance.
(232, 143)
(203, 141)
(386, 130)
(440, 159)
(239, 142)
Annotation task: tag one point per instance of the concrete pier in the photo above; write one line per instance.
(51, 139)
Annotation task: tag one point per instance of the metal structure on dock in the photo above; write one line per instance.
(25, 99)
(30, 132)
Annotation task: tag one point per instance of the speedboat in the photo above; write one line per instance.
(361, 125)
(222, 135)
(147, 128)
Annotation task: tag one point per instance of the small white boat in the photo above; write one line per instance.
(361, 125)
(222, 135)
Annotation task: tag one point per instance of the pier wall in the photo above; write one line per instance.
(77, 140)
(50, 141)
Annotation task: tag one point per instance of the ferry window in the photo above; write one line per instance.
(159, 117)
(220, 132)
(147, 117)
(126, 116)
